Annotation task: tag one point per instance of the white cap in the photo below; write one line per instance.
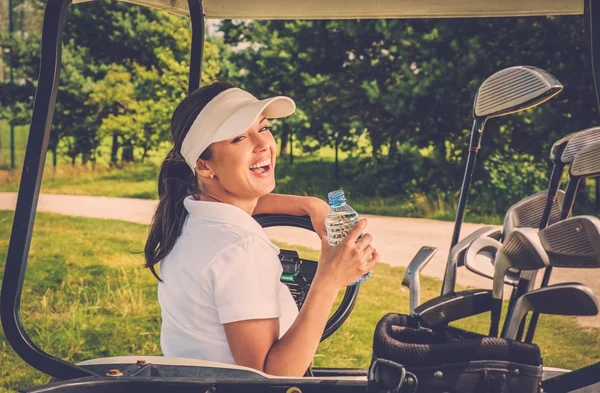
(228, 115)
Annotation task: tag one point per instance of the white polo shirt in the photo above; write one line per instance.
(223, 268)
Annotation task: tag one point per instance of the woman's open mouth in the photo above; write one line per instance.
(262, 168)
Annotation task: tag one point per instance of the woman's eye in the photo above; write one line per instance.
(238, 139)
(265, 128)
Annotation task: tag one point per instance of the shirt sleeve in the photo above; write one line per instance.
(245, 281)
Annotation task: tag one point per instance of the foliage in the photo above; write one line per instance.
(409, 85)
(395, 96)
(124, 69)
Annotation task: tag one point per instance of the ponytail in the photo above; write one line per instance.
(176, 181)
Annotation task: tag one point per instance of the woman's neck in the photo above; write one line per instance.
(246, 205)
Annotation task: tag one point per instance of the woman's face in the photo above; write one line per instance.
(244, 166)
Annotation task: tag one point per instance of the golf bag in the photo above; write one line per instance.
(410, 359)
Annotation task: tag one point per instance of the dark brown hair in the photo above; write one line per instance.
(175, 180)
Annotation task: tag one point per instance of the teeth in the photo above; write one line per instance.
(261, 163)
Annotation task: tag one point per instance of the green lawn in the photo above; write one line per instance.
(20, 141)
(307, 176)
(86, 295)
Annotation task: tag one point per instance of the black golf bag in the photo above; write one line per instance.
(410, 359)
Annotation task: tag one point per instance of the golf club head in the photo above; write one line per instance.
(559, 147)
(457, 255)
(586, 162)
(575, 142)
(514, 89)
(574, 242)
(480, 256)
(440, 311)
(560, 299)
(521, 250)
(527, 213)
(411, 278)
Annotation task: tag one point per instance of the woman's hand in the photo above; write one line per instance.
(348, 261)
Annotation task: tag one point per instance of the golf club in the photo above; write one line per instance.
(507, 91)
(411, 278)
(574, 243)
(586, 163)
(440, 311)
(480, 259)
(528, 211)
(562, 153)
(559, 299)
(457, 254)
(522, 250)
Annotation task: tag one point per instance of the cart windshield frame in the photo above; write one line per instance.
(198, 10)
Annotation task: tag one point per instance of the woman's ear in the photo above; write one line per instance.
(203, 169)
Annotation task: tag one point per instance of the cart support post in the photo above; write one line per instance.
(29, 190)
(197, 47)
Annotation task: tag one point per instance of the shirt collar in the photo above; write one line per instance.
(227, 214)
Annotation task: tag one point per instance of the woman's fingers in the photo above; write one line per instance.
(364, 241)
(366, 254)
(355, 232)
(374, 260)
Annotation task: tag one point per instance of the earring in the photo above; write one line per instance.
(212, 176)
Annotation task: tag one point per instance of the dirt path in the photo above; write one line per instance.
(397, 239)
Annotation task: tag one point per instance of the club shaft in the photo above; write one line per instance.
(495, 316)
(568, 203)
(474, 145)
(557, 172)
(527, 278)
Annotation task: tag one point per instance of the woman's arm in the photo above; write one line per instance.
(295, 205)
(255, 343)
(283, 204)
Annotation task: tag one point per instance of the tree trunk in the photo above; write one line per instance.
(54, 156)
(115, 148)
(291, 148)
(284, 142)
(127, 151)
(336, 168)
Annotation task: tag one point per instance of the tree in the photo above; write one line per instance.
(124, 69)
(409, 86)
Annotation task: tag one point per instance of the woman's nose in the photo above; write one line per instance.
(261, 142)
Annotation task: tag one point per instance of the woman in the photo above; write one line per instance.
(220, 294)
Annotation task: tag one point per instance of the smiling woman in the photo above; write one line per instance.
(220, 294)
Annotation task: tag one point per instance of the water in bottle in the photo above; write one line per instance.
(340, 220)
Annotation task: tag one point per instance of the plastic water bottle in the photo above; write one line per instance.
(340, 220)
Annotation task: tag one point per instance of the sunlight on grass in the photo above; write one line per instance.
(307, 176)
(86, 296)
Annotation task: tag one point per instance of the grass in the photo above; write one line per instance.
(87, 296)
(307, 176)
(20, 142)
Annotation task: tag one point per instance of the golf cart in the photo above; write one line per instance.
(158, 373)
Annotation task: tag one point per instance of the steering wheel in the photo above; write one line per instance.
(298, 273)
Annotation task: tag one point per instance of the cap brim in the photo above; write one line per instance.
(243, 118)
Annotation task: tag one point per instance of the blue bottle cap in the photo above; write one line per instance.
(336, 198)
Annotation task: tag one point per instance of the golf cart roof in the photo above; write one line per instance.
(365, 9)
